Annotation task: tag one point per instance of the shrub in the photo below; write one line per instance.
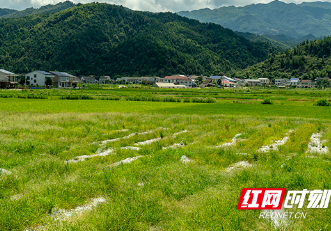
(322, 102)
(266, 101)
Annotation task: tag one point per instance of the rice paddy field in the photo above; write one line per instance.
(91, 163)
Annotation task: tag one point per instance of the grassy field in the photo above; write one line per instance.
(58, 174)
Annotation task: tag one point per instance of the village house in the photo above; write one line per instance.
(196, 77)
(240, 82)
(89, 79)
(253, 82)
(282, 82)
(139, 80)
(227, 83)
(128, 80)
(38, 78)
(306, 84)
(320, 80)
(104, 79)
(207, 83)
(294, 81)
(179, 80)
(151, 80)
(8, 79)
(264, 81)
(63, 79)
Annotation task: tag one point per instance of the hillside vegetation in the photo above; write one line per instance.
(107, 39)
(6, 13)
(308, 60)
(259, 38)
(274, 18)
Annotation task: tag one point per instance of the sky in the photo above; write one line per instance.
(146, 5)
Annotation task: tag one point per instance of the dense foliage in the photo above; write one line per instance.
(273, 18)
(308, 60)
(4, 11)
(259, 38)
(104, 39)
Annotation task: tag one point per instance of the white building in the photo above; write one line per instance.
(179, 80)
(282, 82)
(253, 82)
(264, 81)
(38, 78)
(294, 81)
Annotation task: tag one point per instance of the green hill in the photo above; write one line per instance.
(308, 60)
(42, 10)
(275, 18)
(107, 39)
(259, 38)
(4, 11)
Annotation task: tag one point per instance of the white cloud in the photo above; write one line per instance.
(145, 5)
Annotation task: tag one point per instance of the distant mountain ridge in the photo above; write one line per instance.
(274, 18)
(7, 13)
(4, 11)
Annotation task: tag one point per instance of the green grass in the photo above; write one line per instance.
(157, 191)
(292, 109)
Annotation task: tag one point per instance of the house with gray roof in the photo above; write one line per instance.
(282, 82)
(8, 79)
(104, 79)
(64, 79)
(253, 82)
(38, 78)
(88, 79)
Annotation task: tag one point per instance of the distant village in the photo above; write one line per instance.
(50, 79)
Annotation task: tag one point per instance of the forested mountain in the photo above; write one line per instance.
(103, 39)
(308, 60)
(4, 11)
(274, 18)
(274, 41)
(42, 10)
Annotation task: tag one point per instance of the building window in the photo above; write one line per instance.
(35, 75)
(28, 78)
(35, 80)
